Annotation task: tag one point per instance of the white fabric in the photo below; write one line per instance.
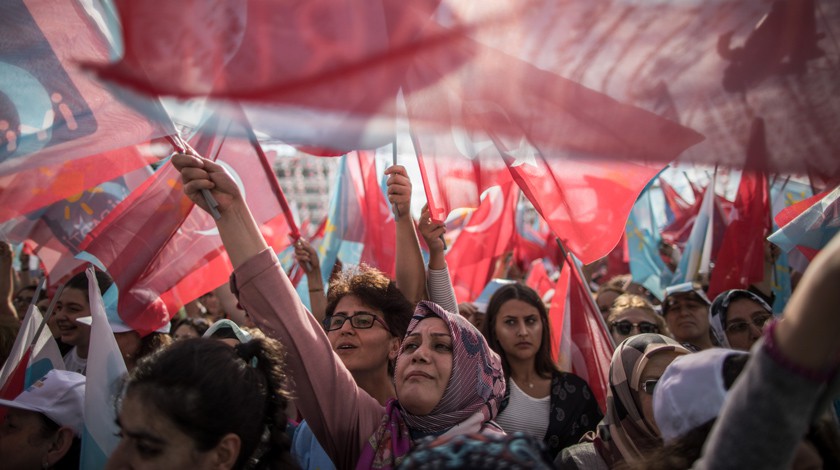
(59, 395)
(74, 363)
(525, 413)
(690, 392)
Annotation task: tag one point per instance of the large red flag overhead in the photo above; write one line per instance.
(50, 111)
(586, 203)
(180, 256)
(486, 237)
(740, 260)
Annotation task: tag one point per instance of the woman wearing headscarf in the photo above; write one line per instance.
(628, 430)
(737, 318)
(447, 379)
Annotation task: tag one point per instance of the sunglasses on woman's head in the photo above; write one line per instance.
(624, 327)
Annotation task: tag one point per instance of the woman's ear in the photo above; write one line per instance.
(61, 443)
(395, 349)
(226, 452)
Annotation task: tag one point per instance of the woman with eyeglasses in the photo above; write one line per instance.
(540, 400)
(738, 318)
(632, 315)
(628, 431)
(446, 379)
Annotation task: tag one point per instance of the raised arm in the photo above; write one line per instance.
(7, 284)
(341, 425)
(308, 260)
(411, 276)
(237, 227)
(438, 281)
(775, 398)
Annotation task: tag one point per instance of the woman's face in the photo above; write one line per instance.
(637, 320)
(688, 319)
(424, 366)
(745, 321)
(519, 329)
(363, 350)
(655, 367)
(71, 305)
(150, 440)
(21, 444)
(185, 332)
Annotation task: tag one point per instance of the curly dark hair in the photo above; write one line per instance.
(374, 289)
(193, 379)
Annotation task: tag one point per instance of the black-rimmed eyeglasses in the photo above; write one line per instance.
(359, 321)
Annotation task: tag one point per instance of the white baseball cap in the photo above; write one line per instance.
(59, 395)
(691, 392)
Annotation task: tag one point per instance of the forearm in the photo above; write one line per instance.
(410, 272)
(240, 234)
(7, 306)
(441, 291)
(341, 426)
(808, 334)
(317, 295)
(229, 303)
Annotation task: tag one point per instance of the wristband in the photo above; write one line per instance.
(772, 350)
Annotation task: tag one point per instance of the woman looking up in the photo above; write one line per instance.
(447, 380)
(541, 401)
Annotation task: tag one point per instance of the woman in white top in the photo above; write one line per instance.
(557, 407)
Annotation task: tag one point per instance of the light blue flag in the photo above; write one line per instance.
(697, 252)
(784, 193)
(643, 241)
(814, 227)
(344, 210)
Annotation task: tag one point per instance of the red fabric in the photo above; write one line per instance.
(579, 337)
(456, 170)
(677, 204)
(14, 383)
(30, 190)
(321, 54)
(57, 113)
(786, 215)
(487, 236)
(740, 261)
(585, 203)
(56, 231)
(379, 225)
(172, 257)
(538, 278)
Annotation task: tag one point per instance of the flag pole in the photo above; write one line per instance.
(212, 204)
(47, 315)
(394, 209)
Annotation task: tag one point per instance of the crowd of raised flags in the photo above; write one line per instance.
(500, 133)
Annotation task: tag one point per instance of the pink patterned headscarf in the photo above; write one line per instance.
(469, 403)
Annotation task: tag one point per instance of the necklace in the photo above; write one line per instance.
(530, 385)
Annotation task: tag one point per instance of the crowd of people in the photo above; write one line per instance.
(394, 373)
